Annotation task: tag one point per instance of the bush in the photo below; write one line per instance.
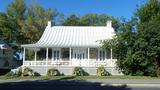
(10, 74)
(37, 74)
(101, 71)
(28, 72)
(19, 72)
(53, 72)
(78, 71)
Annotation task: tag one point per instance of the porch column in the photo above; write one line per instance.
(46, 56)
(111, 58)
(24, 51)
(88, 57)
(35, 56)
(70, 56)
(111, 53)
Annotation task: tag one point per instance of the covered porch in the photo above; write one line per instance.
(70, 57)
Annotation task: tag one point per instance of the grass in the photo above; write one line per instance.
(80, 77)
(115, 77)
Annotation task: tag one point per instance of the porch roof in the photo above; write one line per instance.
(73, 36)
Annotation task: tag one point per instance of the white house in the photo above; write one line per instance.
(69, 46)
(6, 58)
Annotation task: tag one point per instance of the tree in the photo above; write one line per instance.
(17, 9)
(91, 20)
(72, 20)
(8, 29)
(123, 46)
(37, 18)
(138, 50)
(32, 20)
(148, 37)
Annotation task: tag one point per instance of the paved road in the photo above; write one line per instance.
(126, 81)
(71, 84)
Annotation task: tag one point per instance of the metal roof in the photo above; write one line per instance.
(73, 36)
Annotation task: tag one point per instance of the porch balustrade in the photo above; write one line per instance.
(91, 63)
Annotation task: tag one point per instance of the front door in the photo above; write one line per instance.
(79, 57)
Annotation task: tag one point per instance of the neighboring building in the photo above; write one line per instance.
(68, 46)
(7, 61)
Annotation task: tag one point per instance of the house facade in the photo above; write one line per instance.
(65, 47)
(7, 61)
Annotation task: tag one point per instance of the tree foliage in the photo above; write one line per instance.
(90, 20)
(8, 29)
(138, 50)
(148, 37)
(32, 20)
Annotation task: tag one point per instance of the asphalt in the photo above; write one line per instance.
(81, 84)
(126, 81)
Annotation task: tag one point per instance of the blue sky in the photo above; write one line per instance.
(117, 8)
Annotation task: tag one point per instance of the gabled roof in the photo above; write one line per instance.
(73, 36)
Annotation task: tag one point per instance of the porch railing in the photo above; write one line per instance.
(91, 63)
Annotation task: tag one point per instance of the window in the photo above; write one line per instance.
(3, 51)
(83, 55)
(65, 54)
(6, 64)
(56, 55)
(101, 55)
(80, 56)
(75, 55)
(108, 53)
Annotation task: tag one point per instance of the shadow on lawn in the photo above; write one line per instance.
(59, 84)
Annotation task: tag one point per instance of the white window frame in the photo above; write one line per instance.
(103, 56)
(55, 57)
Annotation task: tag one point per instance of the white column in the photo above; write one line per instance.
(111, 58)
(35, 56)
(46, 56)
(46, 59)
(88, 57)
(70, 56)
(24, 52)
(111, 53)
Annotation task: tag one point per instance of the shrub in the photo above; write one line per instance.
(101, 71)
(14, 73)
(18, 72)
(10, 74)
(78, 71)
(28, 72)
(37, 74)
(53, 72)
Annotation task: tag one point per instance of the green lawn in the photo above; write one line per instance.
(80, 77)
